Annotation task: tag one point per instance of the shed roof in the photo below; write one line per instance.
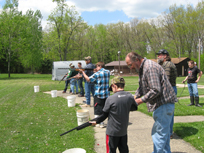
(123, 63)
(65, 64)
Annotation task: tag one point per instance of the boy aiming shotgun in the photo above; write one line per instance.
(117, 108)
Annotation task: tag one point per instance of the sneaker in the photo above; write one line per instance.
(80, 96)
(102, 125)
(64, 92)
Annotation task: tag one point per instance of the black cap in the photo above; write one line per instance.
(163, 51)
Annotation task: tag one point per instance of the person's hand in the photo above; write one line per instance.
(81, 70)
(93, 123)
(183, 81)
(138, 101)
(197, 81)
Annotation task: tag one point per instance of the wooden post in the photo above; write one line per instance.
(199, 55)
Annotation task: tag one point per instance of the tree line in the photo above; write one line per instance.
(26, 47)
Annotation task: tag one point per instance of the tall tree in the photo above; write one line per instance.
(10, 24)
(66, 22)
(31, 40)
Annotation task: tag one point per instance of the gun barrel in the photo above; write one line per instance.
(79, 127)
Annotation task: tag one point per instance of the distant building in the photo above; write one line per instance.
(181, 65)
(60, 68)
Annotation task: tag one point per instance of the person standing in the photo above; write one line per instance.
(101, 79)
(73, 81)
(117, 109)
(89, 86)
(156, 91)
(67, 80)
(164, 59)
(192, 83)
(80, 81)
(195, 64)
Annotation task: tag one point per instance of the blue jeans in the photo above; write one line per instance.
(73, 83)
(80, 84)
(193, 90)
(89, 88)
(172, 120)
(161, 128)
(66, 85)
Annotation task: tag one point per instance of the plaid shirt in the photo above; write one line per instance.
(154, 85)
(101, 79)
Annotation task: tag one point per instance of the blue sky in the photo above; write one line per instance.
(104, 17)
(106, 11)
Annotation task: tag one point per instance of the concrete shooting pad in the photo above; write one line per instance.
(139, 131)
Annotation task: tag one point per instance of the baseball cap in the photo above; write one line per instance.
(72, 65)
(163, 51)
(116, 80)
(88, 58)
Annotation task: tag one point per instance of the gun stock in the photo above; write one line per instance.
(63, 77)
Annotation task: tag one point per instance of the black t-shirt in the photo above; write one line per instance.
(192, 74)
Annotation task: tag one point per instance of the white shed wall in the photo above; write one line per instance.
(60, 68)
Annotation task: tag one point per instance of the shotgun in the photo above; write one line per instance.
(80, 127)
(63, 77)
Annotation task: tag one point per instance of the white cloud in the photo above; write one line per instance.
(132, 8)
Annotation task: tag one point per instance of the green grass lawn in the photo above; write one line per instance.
(32, 122)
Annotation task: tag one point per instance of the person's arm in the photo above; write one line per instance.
(199, 76)
(77, 76)
(99, 119)
(185, 80)
(138, 93)
(70, 74)
(138, 101)
(134, 105)
(85, 76)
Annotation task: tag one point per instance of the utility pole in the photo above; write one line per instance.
(119, 61)
(199, 55)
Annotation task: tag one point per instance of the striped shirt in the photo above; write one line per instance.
(101, 79)
(154, 85)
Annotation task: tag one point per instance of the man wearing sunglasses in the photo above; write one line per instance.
(89, 86)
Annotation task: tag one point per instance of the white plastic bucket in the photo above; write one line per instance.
(71, 101)
(54, 93)
(36, 88)
(82, 116)
(75, 150)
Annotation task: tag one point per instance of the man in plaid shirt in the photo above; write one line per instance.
(156, 91)
(101, 79)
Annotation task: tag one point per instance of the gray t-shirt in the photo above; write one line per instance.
(118, 107)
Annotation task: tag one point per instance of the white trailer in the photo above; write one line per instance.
(60, 68)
